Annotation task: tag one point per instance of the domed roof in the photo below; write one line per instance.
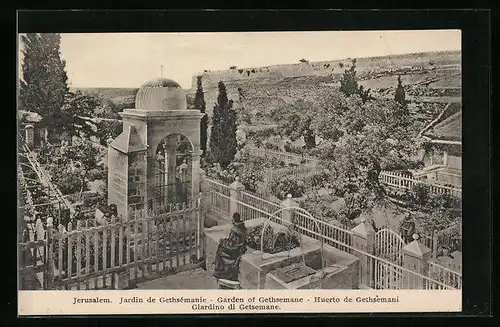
(161, 82)
(160, 94)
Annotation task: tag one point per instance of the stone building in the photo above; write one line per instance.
(32, 128)
(442, 153)
(155, 161)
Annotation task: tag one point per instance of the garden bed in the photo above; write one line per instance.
(255, 265)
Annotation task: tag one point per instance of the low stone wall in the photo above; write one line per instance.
(341, 272)
(255, 267)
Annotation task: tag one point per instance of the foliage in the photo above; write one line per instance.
(261, 134)
(68, 181)
(94, 199)
(349, 84)
(291, 148)
(72, 118)
(271, 144)
(44, 81)
(250, 179)
(273, 241)
(108, 130)
(295, 121)
(199, 104)
(223, 143)
(79, 163)
(285, 185)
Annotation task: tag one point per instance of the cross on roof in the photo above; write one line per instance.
(161, 71)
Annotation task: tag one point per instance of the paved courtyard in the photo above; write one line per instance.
(189, 280)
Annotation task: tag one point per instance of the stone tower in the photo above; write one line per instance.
(146, 166)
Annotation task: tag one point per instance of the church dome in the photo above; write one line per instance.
(160, 94)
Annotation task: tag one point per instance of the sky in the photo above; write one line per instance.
(130, 59)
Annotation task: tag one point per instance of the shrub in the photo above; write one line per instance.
(293, 148)
(210, 222)
(94, 199)
(285, 185)
(98, 173)
(420, 194)
(261, 134)
(249, 178)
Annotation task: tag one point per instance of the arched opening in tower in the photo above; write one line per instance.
(173, 171)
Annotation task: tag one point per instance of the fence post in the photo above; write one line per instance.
(416, 257)
(40, 235)
(363, 239)
(235, 188)
(204, 194)
(434, 243)
(30, 135)
(287, 214)
(49, 263)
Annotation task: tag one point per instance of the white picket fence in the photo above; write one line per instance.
(398, 180)
(375, 272)
(394, 179)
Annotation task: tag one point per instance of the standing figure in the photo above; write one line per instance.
(407, 228)
(230, 250)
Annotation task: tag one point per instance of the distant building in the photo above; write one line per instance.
(32, 128)
(442, 153)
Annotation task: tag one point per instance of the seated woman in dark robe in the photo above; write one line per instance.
(230, 251)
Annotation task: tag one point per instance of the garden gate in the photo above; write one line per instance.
(388, 245)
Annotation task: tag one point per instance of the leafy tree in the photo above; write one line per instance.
(44, 81)
(199, 104)
(349, 84)
(88, 157)
(295, 121)
(108, 129)
(73, 117)
(223, 142)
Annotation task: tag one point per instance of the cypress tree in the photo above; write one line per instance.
(223, 143)
(402, 113)
(199, 104)
(349, 84)
(44, 82)
(400, 96)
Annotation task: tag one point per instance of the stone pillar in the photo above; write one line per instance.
(445, 158)
(363, 239)
(170, 167)
(204, 194)
(287, 214)
(416, 257)
(235, 188)
(194, 191)
(183, 170)
(30, 135)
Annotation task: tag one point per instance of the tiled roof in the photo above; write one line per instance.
(447, 126)
(128, 141)
(28, 116)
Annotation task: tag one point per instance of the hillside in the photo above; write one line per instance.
(122, 97)
(431, 80)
